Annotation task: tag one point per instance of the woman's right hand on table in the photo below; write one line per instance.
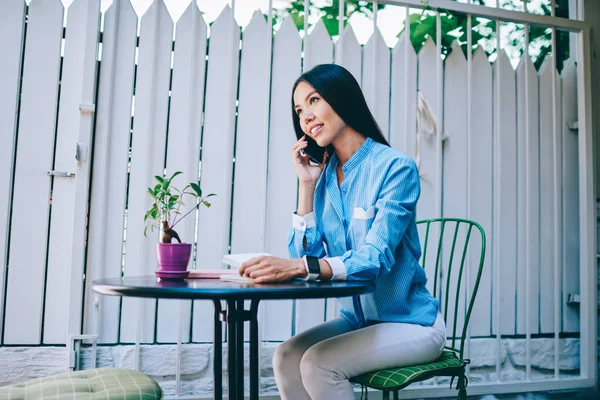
(307, 174)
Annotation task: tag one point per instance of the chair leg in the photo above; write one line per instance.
(462, 387)
(396, 397)
(386, 395)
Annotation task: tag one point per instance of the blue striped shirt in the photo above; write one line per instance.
(366, 228)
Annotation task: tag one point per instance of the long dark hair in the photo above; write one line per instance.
(339, 88)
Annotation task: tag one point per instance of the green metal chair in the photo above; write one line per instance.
(448, 278)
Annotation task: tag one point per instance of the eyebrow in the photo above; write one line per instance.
(306, 98)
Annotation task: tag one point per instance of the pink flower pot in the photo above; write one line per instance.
(173, 257)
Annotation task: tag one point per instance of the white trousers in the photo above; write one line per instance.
(316, 364)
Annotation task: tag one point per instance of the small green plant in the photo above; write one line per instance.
(168, 200)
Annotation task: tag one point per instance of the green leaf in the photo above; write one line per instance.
(206, 203)
(159, 178)
(210, 195)
(173, 176)
(196, 189)
(332, 25)
(298, 20)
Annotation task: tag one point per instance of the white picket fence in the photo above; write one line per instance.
(224, 115)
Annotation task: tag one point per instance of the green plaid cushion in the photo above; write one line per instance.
(387, 379)
(109, 383)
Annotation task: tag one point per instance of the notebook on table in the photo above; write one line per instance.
(233, 260)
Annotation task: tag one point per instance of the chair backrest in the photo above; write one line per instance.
(455, 268)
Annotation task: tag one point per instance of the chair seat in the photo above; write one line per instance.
(397, 378)
(108, 383)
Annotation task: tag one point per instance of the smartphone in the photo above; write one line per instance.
(314, 152)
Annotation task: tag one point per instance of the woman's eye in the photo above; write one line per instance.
(313, 99)
(298, 112)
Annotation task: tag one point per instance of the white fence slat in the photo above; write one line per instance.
(111, 157)
(281, 181)
(147, 158)
(376, 80)
(427, 72)
(505, 176)
(548, 231)
(403, 108)
(570, 213)
(217, 154)
(12, 25)
(250, 176)
(35, 143)
(318, 48)
(251, 140)
(528, 199)
(64, 294)
(455, 164)
(348, 53)
(481, 188)
(183, 149)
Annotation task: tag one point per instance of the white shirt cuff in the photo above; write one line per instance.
(303, 223)
(338, 268)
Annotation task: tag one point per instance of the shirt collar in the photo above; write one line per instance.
(358, 156)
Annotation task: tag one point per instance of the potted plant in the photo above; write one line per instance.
(165, 214)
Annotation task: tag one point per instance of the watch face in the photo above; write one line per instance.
(313, 265)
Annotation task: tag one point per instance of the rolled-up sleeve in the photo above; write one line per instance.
(305, 227)
(395, 210)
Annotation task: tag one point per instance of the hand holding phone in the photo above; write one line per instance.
(315, 153)
(308, 167)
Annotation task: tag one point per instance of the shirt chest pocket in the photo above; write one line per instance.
(361, 223)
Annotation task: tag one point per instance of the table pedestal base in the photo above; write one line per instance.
(235, 316)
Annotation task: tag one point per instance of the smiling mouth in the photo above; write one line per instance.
(316, 130)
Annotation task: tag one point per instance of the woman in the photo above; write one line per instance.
(359, 205)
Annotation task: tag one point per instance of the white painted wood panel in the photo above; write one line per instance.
(183, 148)
(147, 159)
(403, 107)
(481, 189)
(111, 158)
(455, 167)
(528, 192)
(217, 155)
(376, 80)
(427, 84)
(318, 49)
(31, 197)
(250, 172)
(348, 53)
(548, 205)
(505, 201)
(12, 25)
(570, 192)
(281, 179)
(252, 139)
(64, 275)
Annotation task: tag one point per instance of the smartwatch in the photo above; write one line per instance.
(313, 268)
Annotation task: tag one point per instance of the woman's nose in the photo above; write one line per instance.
(308, 117)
